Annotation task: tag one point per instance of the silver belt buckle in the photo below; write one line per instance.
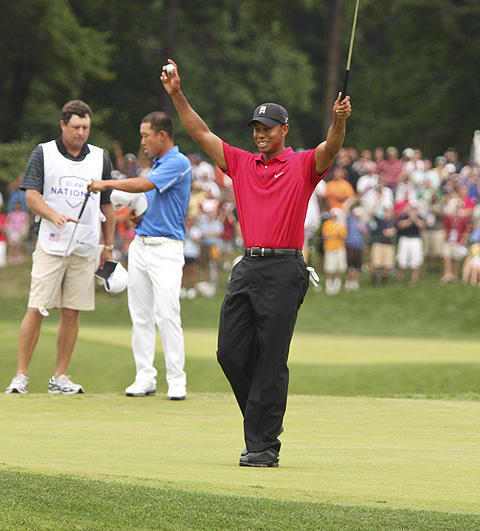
(257, 251)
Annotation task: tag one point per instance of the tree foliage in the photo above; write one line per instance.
(414, 79)
(417, 82)
(47, 58)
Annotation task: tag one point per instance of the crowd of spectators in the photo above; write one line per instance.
(392, 213)
(15, 225)
(378, 213)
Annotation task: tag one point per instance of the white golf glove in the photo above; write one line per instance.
(313, 276)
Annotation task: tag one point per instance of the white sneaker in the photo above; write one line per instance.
(337, 285)
(329, 287)
(177, 392)
(191, 293)
(141, 388)
(19, 384)
(63, 386)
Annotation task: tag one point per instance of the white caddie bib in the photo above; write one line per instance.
(64, 190)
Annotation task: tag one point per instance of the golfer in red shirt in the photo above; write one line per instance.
(269, 284)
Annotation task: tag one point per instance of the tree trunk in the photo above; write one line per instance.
(15, 102)
(334, 25)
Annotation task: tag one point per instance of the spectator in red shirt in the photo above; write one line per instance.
(457, 230)
(392, 167)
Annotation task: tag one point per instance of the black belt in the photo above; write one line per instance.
(262, 251)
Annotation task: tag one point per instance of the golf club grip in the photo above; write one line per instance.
(84, 205)
(344, 86)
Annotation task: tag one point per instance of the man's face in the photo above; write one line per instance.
(152, 142)
(338, 174)
(75, 133)
(270, 140)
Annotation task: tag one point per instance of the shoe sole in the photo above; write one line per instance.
(16, 391)
(149, 393)
(80, 392)
(176, 398)
(269, 464)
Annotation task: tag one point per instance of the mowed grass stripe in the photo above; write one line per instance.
(34, 501)
(319, 365)
(305, 348)
(400, 454)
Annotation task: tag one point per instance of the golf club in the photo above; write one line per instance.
(42, 309)
(349, 59)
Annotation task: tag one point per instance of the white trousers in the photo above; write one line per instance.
(3, 254)
(154, 280)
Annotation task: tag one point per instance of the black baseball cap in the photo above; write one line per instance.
(269, 114)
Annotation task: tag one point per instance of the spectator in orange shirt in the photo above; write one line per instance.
(334, 232)
(338, 189)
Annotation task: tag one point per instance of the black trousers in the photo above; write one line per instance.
(257, 320)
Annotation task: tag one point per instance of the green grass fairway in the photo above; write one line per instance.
(415, 454)
(319, 364)
(381, 435)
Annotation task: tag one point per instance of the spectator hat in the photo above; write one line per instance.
(451, 168)
(130, 157)
(269, 114)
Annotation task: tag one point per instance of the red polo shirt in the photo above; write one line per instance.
(272, 198)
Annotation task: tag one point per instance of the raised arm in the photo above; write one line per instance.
(210, 143)
(326, 152)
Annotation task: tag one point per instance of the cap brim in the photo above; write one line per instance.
(265, 121)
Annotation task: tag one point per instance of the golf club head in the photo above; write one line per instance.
(43, 311)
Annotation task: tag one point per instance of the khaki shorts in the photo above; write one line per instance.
(453, 250)
(382, 255)
(335, 261)
(75, 286)
(433, 242)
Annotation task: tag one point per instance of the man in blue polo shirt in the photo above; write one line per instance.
(155, 258)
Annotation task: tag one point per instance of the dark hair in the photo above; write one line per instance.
(77, 107)
(159, 121)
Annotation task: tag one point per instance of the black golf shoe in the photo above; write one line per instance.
(267, 458)
(245, 451)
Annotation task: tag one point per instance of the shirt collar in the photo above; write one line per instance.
(286, 154)
(63, 150)
(172, 151)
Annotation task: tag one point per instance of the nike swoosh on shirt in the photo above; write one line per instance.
(277, 175)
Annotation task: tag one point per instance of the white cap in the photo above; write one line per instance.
(118, 279)
(137, 202)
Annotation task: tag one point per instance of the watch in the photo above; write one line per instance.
(109, 247)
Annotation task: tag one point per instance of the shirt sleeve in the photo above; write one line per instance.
(35, 172)
(167, 174)
(233, 157)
